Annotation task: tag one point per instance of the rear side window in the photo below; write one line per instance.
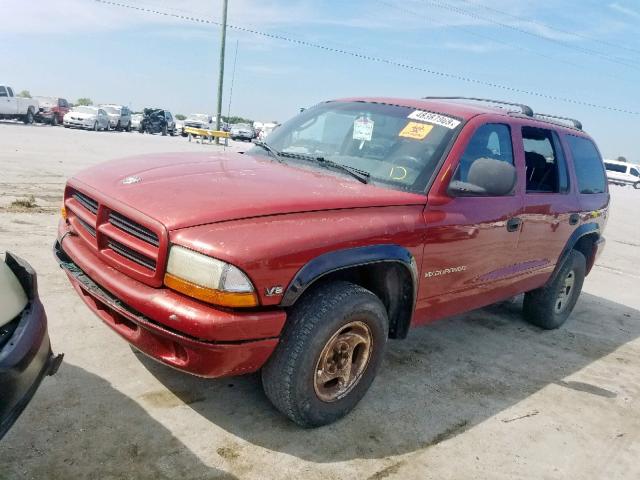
(613, 167)
(634, 172)
(3, 92)
(546, 165)
(587, 164)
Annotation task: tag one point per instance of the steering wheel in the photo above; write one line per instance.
(401, 166)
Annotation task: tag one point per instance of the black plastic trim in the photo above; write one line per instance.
(348, 258)
(581, 231)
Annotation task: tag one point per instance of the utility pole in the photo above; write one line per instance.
(223, 39)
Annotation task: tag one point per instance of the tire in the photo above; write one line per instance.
(128, 129)
(118, 127)
(164, 131)
(636, 185)
(54, 121)
(95, 126)
(329, 314)
(28, 118)
(545, 307)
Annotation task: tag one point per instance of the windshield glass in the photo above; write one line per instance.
(398, 146)
(112, 110)
(85, 109)
(241, 126)
(199, 117)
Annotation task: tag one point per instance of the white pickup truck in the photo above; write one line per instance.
(12, 107)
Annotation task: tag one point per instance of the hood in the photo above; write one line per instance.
(82, 116)
(187, 189)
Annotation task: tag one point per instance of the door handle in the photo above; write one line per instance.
(513, 224)
(574, 218)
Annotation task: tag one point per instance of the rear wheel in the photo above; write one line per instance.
(550, 306)
(128, 127)
(28, 119)
(329, 354)
(164, 130)
(95, 126)
(54, 121)
(636, 185)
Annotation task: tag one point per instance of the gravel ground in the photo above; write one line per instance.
(481, 395)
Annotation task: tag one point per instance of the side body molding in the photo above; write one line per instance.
(343, 259)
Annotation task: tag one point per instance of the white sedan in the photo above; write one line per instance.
(91, 118)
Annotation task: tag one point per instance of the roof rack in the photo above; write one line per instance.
(526, 109)
(576, 123)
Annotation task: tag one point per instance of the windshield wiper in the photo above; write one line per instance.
(272, 151)
(356, 173)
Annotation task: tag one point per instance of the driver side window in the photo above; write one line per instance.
(492, 140)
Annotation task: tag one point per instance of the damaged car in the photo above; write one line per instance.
(25, 350)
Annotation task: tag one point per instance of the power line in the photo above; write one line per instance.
(372, 58)
(486, 37)
(584, 50)
(551, 27)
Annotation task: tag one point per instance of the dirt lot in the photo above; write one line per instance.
(483, 395)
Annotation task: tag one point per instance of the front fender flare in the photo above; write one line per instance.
(348, 258)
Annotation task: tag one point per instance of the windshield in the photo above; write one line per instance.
(112, 110)
(241, 126)
(85, 109)
(398, 146)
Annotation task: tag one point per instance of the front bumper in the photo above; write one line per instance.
(178, 331)
(79, 123)
(27, 357)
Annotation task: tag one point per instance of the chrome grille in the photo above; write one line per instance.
(133, 228)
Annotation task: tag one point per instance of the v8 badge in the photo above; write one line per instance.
(273, 291)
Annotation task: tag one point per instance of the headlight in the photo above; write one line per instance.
(208, 279)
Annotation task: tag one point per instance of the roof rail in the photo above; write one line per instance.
(526, 109)
(576, 123)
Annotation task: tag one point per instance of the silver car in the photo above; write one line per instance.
(90, 118)
(119, 117)
(242, 131)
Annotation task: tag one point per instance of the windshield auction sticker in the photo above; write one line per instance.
(416, 131)
(363, 129)
(435, 118)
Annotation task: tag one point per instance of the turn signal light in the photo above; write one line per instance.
(210, 295)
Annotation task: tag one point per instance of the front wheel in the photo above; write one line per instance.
(95, 126)
(164, 131)
(636, 185)
(549, 307)
(328, 355)
(54, 121)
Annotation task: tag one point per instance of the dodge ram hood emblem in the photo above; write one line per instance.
(130, 180)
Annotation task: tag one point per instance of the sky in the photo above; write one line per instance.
(554, 56)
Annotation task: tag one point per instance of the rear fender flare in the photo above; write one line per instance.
(580, 232)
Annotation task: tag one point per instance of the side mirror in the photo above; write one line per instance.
(487, 177)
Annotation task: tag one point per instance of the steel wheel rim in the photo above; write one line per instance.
(565, 292)
(343, 361)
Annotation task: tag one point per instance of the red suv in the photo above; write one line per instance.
(359, 219)
(52, 110)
